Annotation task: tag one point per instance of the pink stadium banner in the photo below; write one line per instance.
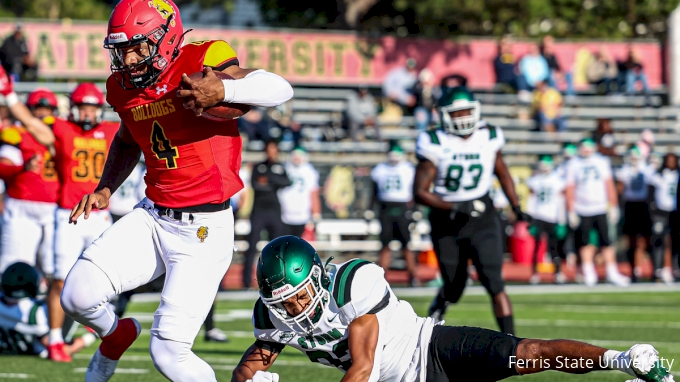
(74, 50)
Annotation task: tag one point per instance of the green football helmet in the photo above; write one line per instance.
(545, 164)
(456, 99)
(288, 265)
(20, 280)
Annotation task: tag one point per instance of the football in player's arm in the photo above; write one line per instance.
(346, 316)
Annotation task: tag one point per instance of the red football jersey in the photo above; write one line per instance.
(27, 185)
(189, 160)
(80, 158)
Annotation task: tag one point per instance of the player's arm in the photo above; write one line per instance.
(508, 186)
(122, 158)
(363, 341)
(259, 357)
(426, 172)
(255, 87)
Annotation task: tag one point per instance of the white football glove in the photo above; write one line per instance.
(613, 215)
(264, 376)
(574, 220)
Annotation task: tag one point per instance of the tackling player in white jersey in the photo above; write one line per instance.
(546, 206)
(393, 193)
(300, 202)
(459, 159)
(593, 205)
(23, 318)
(346, 316)
(665, 184)
(633, 181)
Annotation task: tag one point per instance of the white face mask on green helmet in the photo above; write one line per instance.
(455, 100)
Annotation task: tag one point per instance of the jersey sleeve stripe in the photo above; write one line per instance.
(382, 304)
(32, 316)
(261, 316)
(434, 137)
(342, 293)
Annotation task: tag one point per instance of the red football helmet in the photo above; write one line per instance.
(41, 97)
(86, 93)
(156, 22)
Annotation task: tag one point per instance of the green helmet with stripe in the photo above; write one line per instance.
(455, 100)
(20, 280)
(288, 265)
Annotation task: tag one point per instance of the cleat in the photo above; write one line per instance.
(560, 278)
(535, 279)
(57, 353)
(101, 367)
(646, 364)
(216, 335)
(618, 279)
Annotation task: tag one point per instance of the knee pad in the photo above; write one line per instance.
(86, 287)
(177, 362)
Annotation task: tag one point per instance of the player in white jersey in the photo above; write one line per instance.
(459, 159)
(593, 205)
(393, 193)
(300, 202)
(633, 181)
(546, 206)
(23, 317)
(130, 193)
(347, 316)
(664, 183)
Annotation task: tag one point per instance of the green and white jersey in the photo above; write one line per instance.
(296, 200)
(665, 189)
(464, 166)
(21, 326)
(394, 181)
(358, 288)
(589, 176)
(546, 202)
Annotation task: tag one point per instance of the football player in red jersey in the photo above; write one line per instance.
(184, 228)
(28, 219)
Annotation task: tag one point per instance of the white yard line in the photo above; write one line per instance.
(16, 376)
(118, 370)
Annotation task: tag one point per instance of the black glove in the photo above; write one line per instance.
(521, 216)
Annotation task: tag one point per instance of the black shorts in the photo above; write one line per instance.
(463, 237)
(458, 350)
(593, 227)
(661, 223)
(636, 219)
(393, 223)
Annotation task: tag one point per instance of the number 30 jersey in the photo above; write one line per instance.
(464, 166)
(358, 288)
(190, 160)
(80, 158)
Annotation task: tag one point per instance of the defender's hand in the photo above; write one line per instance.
(203, 93)
(98, 199)
(264, 376)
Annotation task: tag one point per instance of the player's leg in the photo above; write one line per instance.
(487, 256)
(20, 240)
(586, 249)
(536, 230)
(46, 249)
(609, 252)
(402, 233)
(184, 301)
(386, 235)
(659, 231)
(294, 229)
(258, 221)
(453, 268)
(213, 333)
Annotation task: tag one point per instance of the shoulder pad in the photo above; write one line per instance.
(261, 316)
(433, 136)
(220, 55)
(492, 131)
(10, 135)
(343, 281)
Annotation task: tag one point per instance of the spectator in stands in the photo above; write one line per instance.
(15, 56)
(267, 179)
(426, 99)
(635, 72)
(604, 137)
(506, 71)
(399, 82)
(534, 67)
(254, 125)
(362, 112)
(547, 105)
(601, 71)
(556, 73)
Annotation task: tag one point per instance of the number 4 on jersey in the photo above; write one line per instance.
(162, 147)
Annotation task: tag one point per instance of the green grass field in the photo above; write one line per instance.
(614, 320)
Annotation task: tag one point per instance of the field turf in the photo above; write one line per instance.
(603, 316)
